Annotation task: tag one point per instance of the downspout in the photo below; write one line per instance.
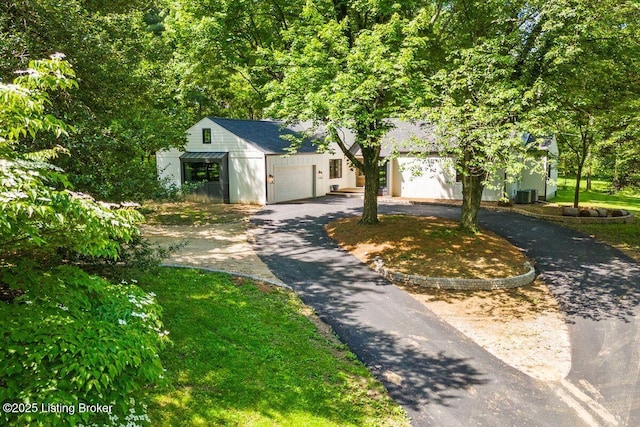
(266, 181)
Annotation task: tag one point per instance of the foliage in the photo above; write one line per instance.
(246, 351)
(484, 94)
(602, 194)
(72, 338)
(124, 110)
(625, 237)
(219, 52)
(347, 66)
(69, 338)
(589, 67)
(38, 209)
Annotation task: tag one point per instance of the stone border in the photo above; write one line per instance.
(627, 219)
(455, 283)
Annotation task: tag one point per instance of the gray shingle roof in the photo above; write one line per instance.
(543, 143)
(265, 134)
(406, 137)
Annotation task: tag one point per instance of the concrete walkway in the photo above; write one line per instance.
(437, 374)
(223, 247)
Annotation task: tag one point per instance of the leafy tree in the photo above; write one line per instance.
(69, 338)
(124, 109)
(590, 74)
(484, 94)
(347, 66)
(38, 208)
(219, 50)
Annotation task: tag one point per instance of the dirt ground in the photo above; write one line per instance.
(218, 246)
(522, 327)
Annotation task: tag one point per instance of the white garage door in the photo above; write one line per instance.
(293, 182)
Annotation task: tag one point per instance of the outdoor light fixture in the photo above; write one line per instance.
(319, 174)
(271, 179)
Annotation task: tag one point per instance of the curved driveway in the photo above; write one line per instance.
(441, 377)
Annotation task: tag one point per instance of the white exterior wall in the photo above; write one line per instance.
(299, 171)
(348, 179)
(430, 178)
(246, 162)
(168, 165)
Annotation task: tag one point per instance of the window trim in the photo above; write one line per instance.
(335, 168)
(206, 135)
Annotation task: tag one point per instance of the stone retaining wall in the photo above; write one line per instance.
(627, 219)
(455, 283)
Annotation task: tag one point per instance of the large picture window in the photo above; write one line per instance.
(199, 172)
(206, 136)
(335, 168)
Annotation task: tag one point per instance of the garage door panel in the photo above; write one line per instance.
(293, 182)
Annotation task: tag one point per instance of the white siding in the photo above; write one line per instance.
(430, 178)
(247, 180)
(309, 171)
(168, 164)
(348, 179)
(246, 162)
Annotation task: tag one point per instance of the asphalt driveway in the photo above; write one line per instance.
(440, 376)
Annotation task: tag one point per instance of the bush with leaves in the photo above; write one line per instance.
(37, 207)
(72, 338)
(68, 338)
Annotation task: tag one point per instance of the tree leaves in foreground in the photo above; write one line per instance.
(69, 339)
(484, 94)
(38, 207)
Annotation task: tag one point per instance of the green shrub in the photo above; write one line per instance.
(72, 339)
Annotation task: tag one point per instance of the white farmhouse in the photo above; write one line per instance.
(246, 161)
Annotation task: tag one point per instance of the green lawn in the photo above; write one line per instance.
(599, 195)
(246, 355)
(623, 236)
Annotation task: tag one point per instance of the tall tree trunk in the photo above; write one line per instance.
(576, 192)
(371, 185)
(472, 187)
(582, 158)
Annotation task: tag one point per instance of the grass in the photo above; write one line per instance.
(247, 354)
(195, 213)
(429, 246)
(598, 196)
(625, 237)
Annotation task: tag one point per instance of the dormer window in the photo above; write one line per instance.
(206, 136)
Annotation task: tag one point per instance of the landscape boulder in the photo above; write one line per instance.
(589, 213)
(619, 212)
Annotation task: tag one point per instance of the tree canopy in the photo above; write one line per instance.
(347, 65)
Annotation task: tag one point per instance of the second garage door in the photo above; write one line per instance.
(293, 183)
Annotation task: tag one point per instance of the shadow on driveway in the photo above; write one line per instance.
(436, 373)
